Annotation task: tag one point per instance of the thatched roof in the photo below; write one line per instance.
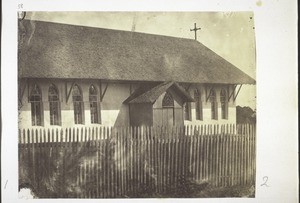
(53, 50)
(150, 92)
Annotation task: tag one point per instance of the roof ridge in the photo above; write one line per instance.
(108, 29)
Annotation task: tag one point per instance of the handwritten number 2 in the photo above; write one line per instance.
(265, 179)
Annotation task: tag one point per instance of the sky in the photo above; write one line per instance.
(229, 34)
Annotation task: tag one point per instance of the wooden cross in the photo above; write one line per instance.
(195, 30)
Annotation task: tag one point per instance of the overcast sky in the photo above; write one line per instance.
(229, 34)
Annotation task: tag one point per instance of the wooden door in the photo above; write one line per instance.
(168, 117)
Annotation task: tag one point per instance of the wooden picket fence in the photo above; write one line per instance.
(108, 162)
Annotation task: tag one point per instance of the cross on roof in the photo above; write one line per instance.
(195, 30)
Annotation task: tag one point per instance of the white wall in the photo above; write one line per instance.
(113, 111)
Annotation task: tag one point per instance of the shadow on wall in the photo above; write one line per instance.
(123, 117)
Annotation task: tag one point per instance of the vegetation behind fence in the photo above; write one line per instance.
(135, 161)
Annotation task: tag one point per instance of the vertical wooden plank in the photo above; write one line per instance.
(38, 157)
(130, 143)
(234, 154)
(249, 154)
(229, 174)
(99, 159)
(159, 162)
(246, 154)
(234, 158)
(208, 153)
(142, 156)
(162, 155)
(239, 155)
(104, 162)
(217, 157)
(221, 153)
(180, 151)
(169, 158)
(146, 157)
(128, 153)
(93, 173)
(176, 155)
(101, 162)
(253, 145)
(195, 152)
(212, 155)
(165, 157)
(151, 164)
(32, 156)
(242, 154)
(153, 152)
(81, 135)
(227, 157)
(231, 148)
(122, 157)
(138, 150)
(172, 157)
(201, 153)
(206, 148)
(134, 160)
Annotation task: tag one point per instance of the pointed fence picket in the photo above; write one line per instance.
(111, 162)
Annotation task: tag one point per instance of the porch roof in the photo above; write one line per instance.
(150, 93)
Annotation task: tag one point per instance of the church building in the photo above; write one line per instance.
(73, 75)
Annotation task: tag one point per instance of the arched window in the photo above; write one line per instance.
(36, 106)
(54, 105)
(214, 104)
(94, 105)
(168, 101)
(78, 105)
(198, 105)
(224, 104)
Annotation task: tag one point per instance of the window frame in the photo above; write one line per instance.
(37, 110)
(94, 103)
(224, 104)
(78, 105)
(54, 103)
(213, 104)
(198, 105)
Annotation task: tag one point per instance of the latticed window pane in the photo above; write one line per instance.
(94, 112)
(78, 112)
(54, 105)
(93, 90)
(78, 105)
(36, 115)
(198, 104)
(36, 106)
(168, 100)
(94, 106)
(224, 104)
(214, 106)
